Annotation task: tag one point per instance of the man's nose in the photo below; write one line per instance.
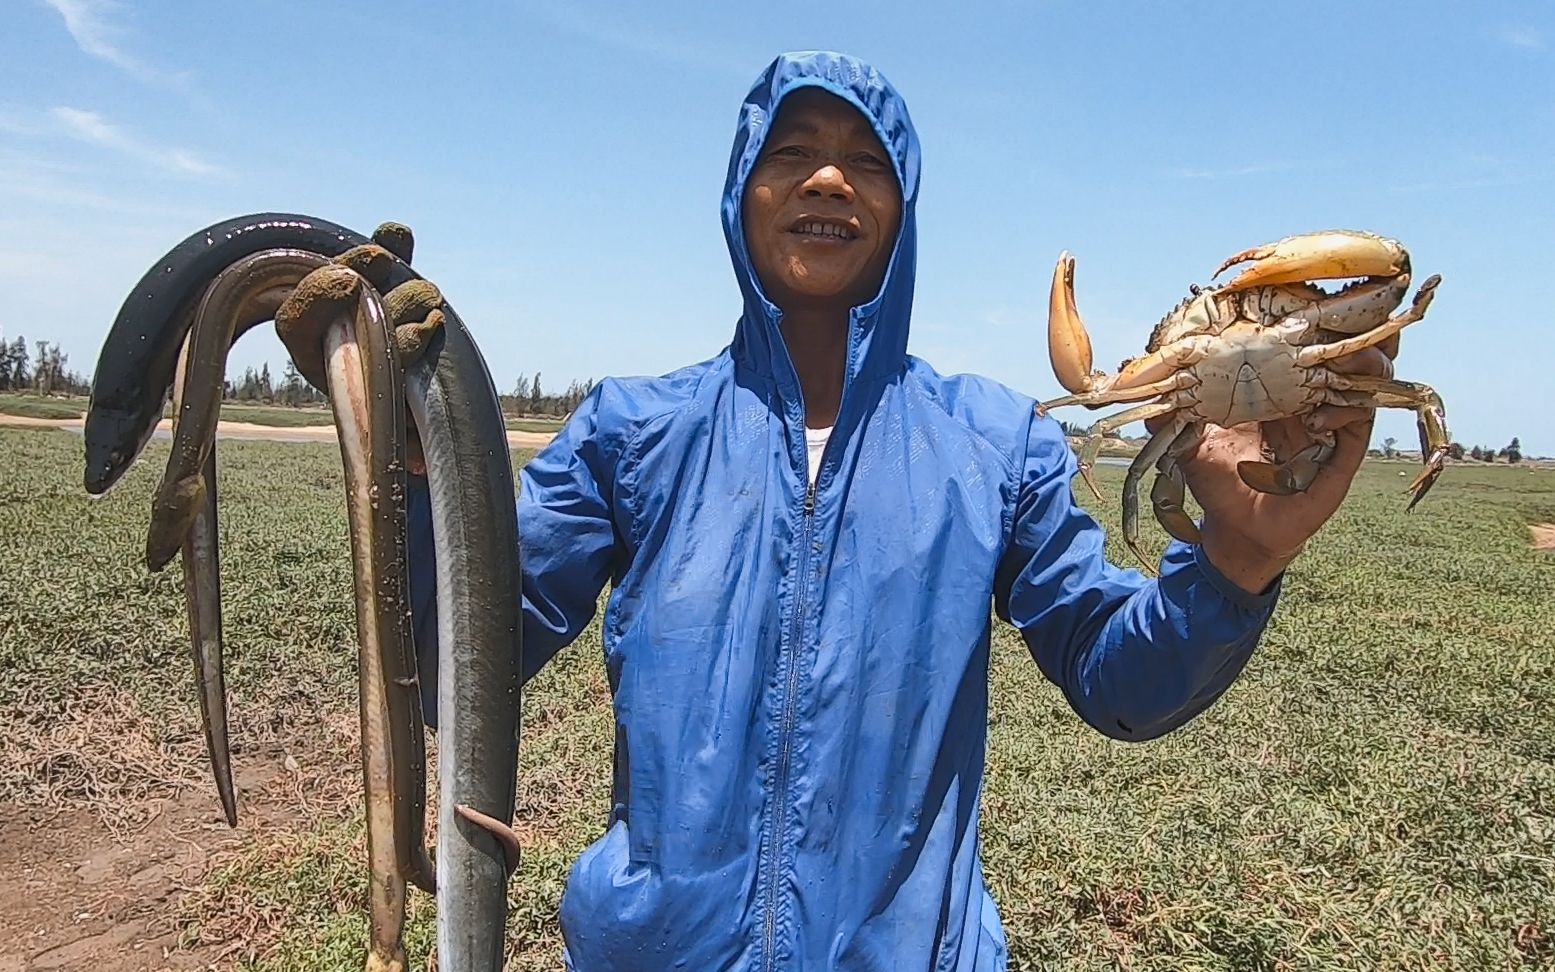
(827, 182)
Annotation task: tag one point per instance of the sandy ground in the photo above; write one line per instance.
(1543, 535)
(79, 898)
(79, 894)
(269, 433)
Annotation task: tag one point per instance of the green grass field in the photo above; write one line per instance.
(40, 406)
(1377, 791)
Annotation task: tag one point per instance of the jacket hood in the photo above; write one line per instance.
(877, 339)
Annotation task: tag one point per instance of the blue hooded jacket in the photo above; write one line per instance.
(800, 675)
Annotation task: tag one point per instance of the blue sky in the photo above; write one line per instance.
(561, 165)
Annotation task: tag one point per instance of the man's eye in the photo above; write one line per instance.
(870, 161)
(789, 152)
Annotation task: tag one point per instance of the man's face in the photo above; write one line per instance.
(822, 205)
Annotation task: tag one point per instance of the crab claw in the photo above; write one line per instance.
(1167, 496)
(1068, 344)
(1326, 255)
(1292, 476)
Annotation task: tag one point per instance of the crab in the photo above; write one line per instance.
(1254, 349)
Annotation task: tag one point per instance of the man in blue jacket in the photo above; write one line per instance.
(806, 538)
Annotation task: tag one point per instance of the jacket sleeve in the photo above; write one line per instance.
(1136, 657)
(568, 546)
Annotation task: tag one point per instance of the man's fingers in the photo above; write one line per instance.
(1350, 445)
(1328, 418)
(1370, 361)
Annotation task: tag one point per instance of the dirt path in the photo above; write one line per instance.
(76, 897)
(1543, 535)
(249, 430)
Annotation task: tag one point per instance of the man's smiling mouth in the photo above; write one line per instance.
(811, 227)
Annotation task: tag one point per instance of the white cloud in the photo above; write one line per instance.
(1256, 168)
(90, 24)
(89, 126)
(57, 185)
(1528, 38)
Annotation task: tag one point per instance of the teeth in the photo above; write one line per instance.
(825, 230)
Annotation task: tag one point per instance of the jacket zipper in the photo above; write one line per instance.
(774, 857)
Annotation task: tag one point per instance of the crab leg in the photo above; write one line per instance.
(1314, 354)
(1157, 447)
(1317, 256)
(1170, 491)
(1356, 309)
(1095, 435)
(1068, 343)
(1430, 419)
(1069, 349)
(1175, 382)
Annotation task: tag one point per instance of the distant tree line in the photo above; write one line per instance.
(1512, 452)
(528, 397)
(43, 374)
(257, 387)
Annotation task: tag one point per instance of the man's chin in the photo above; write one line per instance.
(816, 283)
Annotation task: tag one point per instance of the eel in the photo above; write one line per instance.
(450, 393)
(201, 560)
(463, 438)
(244, 294)
(365, 395)
(135, 367)
(475, 525)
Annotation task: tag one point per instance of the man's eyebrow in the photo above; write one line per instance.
(801, 125)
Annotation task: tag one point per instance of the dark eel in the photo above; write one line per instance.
(135, 368)
(475, 522)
